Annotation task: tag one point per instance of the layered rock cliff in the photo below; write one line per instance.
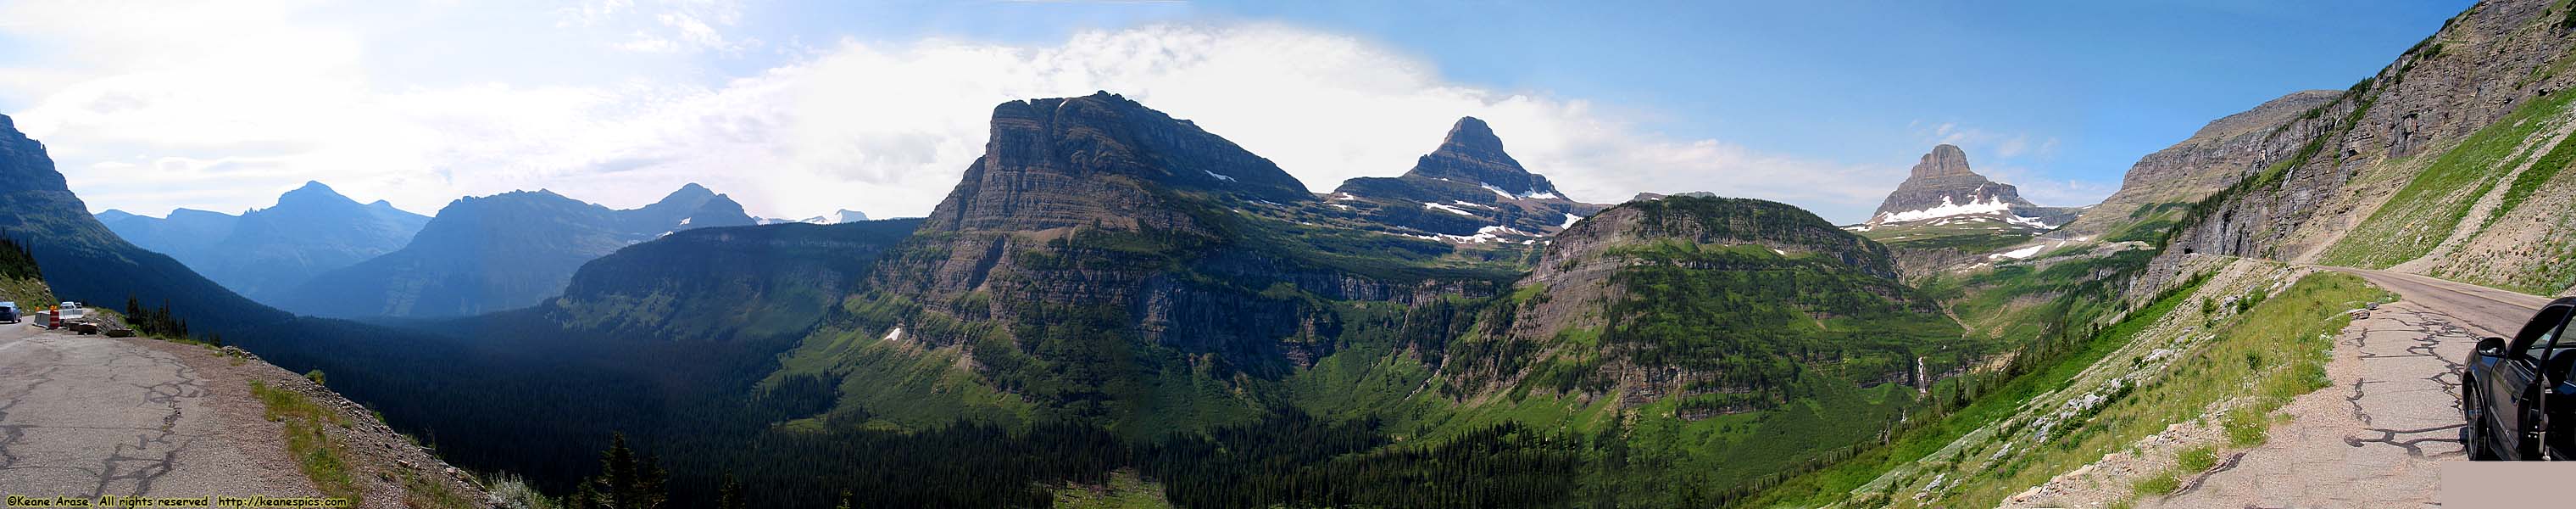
(2446, 162)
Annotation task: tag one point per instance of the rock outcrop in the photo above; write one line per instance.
(2219, 154)
(2446, 162)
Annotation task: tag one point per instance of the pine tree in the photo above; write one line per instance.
(626, 480)
(731, 496)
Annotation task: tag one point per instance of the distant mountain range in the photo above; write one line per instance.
(505, 251)
(264, 252)
(1108, 287)
(837, 217)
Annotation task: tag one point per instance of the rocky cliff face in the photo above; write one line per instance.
(1468, 187)
(2219, 154)
(2446, 162)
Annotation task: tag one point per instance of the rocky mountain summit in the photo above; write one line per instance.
(1468, 189)
(1941, 189)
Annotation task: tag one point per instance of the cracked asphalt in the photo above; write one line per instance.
(86, 416)
(2373, 439)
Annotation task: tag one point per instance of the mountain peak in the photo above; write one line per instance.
(312, 191)
(1473, 154)
(689, 191)
(1945, 160)
(1471, 136)
(1941, 186)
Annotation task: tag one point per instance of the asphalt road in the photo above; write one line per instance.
(86, 416)
(2372, 439)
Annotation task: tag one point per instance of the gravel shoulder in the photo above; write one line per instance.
(87, 416)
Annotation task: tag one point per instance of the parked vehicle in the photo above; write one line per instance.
(2519, 394)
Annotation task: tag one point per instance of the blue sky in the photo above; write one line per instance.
(801, 108)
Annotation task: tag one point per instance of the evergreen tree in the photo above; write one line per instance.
(730, 496)
(626, 480)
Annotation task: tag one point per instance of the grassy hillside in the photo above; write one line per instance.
(2125, 385)
(2430, 207)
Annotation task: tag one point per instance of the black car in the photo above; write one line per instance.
(2514, 389)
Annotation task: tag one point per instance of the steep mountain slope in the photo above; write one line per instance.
(498, 252)
(84, 261)
(1159, 307)
(1081, 262)
(311, 230)
(186, 234)
(720, 284)
(2162, 185)
(2447, 162)
(1468, 187)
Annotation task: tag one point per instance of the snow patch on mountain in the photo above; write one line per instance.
(1452, 210)
(1946, 209)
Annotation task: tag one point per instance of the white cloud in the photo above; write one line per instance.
(2051, 191)
(882, 128)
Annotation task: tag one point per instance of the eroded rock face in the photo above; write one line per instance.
(1467, 187)
(2342, 163)
(2219, 154)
